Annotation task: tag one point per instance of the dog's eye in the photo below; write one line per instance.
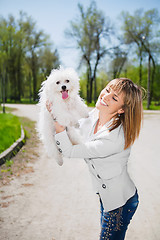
(58, 82)
(67, 81)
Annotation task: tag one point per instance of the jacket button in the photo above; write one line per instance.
(93, 166)
(104, 185)
(98, 176)
(57, 142)
(60, 150)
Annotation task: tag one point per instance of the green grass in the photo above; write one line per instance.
(154, 105)
(7, 109)
(10, 130)
(22, 101)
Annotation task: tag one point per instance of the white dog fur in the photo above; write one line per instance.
(61, 89)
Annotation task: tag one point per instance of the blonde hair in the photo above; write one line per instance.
(132, 117)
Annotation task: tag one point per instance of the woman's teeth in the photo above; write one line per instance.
(103, 102)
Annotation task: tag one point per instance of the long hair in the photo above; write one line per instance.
(133, 110)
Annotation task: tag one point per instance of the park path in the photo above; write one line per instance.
(57, 203)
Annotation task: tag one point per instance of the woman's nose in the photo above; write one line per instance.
(106, 96)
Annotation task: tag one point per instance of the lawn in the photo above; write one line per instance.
(154, 105)
(10, 130)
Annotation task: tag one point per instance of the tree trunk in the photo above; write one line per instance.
(94, 79)
(95, 90)
(114, 74)
(140, 68)
(152, 79)
(87, 97)
(89, 83)
(30, 88)
(19, 78)
(34, 75)
(121, 66)
(91, 89)
(34, 85)
(149, 82)
(3, 86)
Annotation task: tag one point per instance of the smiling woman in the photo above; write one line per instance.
(108, 134)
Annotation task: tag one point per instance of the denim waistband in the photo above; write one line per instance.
(134, 198)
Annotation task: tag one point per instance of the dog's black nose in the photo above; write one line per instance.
(63, 87)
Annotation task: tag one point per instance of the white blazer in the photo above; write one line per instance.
(106, 158)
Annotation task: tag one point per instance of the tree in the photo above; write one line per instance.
(9, 49)
(139, 29)
(48, 60)
(35, 39)
(119, 59)
(25, 56)
(89, 32)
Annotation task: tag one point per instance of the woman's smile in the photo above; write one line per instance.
(103, 103)
(109, 104)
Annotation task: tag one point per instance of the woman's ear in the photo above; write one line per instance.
(120, 111)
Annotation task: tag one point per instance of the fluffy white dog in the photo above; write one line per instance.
(61, 90)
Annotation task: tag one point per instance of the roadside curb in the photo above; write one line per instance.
(151, 111)
(13, 149)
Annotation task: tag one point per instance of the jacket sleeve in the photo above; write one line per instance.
(98, 148)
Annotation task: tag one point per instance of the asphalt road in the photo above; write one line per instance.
(59, 203)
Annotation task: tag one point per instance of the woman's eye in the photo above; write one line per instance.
(67, 81)
(107, 90)
(115, 99)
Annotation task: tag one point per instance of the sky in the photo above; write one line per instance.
(54, 16)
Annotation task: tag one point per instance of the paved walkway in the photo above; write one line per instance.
(57, 203)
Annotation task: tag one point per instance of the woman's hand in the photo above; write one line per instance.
(58, 128)
(49, 106)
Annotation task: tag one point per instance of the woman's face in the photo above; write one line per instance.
(110, 102)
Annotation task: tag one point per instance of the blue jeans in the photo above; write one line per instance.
(114, 223)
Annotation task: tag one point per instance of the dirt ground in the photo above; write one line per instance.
(19, 164)
(58, 203)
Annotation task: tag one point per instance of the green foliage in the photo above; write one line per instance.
(92, 104)
(119, 58)
(140, 26)
(83, 89)
(90, 31)
(23, 100)
(153, 106)
(9, 163)
(7, 109)
(141, 30)
(156, 85)
(133, 73)
(4, 170)
(101, 80)
(26, 57)
(10, 130)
